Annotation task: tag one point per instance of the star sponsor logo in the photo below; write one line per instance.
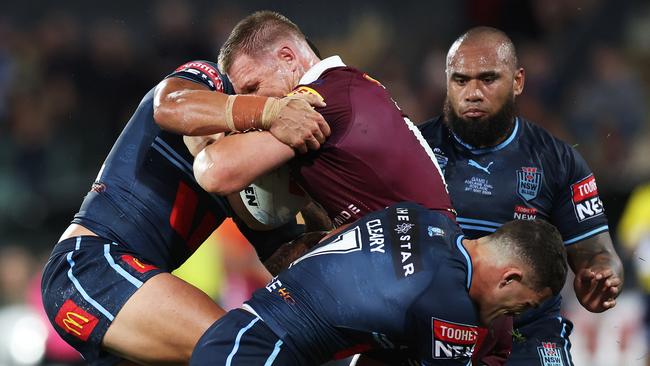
(75, 320)
(405, 247)
(403, 228)
(585, 198)
(549, 354)
(453, 341)
(529, 181)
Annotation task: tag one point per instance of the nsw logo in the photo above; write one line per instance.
(453, 341)
(586, 202)
(529, 180)
(549, 354)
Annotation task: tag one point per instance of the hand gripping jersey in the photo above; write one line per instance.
(374, 157)
(397, 279)
(530, 175)
(145, 196)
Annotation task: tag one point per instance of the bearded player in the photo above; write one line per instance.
(502, 167)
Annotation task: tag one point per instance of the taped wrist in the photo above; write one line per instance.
(245, 112)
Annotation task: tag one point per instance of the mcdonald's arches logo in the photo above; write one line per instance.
(74, 320)
(136, 264)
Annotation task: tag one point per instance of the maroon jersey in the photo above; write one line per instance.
(374, 157)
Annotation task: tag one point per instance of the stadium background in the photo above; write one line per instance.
(71, 74)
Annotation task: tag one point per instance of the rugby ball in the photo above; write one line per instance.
(272, 200)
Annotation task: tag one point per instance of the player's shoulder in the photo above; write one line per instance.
(205, 72)
(432, 126)
(545, 142)
(436, 132)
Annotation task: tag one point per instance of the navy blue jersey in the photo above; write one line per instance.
(530, 175)
(145, 196)
(396, 279)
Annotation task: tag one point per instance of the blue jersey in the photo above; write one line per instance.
(146, 197)
(530, 175)
(397, 279)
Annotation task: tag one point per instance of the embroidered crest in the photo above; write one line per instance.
(529, 180)
(549, 354)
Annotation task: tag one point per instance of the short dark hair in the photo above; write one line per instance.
(539, 245)
(253, 33)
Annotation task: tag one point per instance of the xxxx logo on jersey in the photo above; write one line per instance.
(453, 341)
(306, 90)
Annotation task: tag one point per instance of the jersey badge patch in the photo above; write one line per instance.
(529, 180)
(549, 354)
(453, 341)
(586, 202)
(306, 90)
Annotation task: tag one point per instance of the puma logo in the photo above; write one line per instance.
(477, 165)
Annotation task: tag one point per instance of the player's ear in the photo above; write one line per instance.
(286, 54)
(510, 276)
(518, 81)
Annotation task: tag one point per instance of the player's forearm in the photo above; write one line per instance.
(315, 218)
(289, 252)
(235, 161)
(188, 108)
(192, 112)
(597, 251)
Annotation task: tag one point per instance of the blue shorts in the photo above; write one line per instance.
(241, 338)
(85, 283)
(543, 342)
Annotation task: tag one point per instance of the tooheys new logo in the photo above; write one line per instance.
(453, 341)
(586, 202)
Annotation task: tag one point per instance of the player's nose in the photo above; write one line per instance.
(473, 91)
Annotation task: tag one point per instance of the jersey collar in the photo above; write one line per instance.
(475, 150)
(317, 70)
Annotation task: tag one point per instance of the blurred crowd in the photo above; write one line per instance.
(71, 75)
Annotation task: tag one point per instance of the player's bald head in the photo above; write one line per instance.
(487, 38)
(253, 34)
